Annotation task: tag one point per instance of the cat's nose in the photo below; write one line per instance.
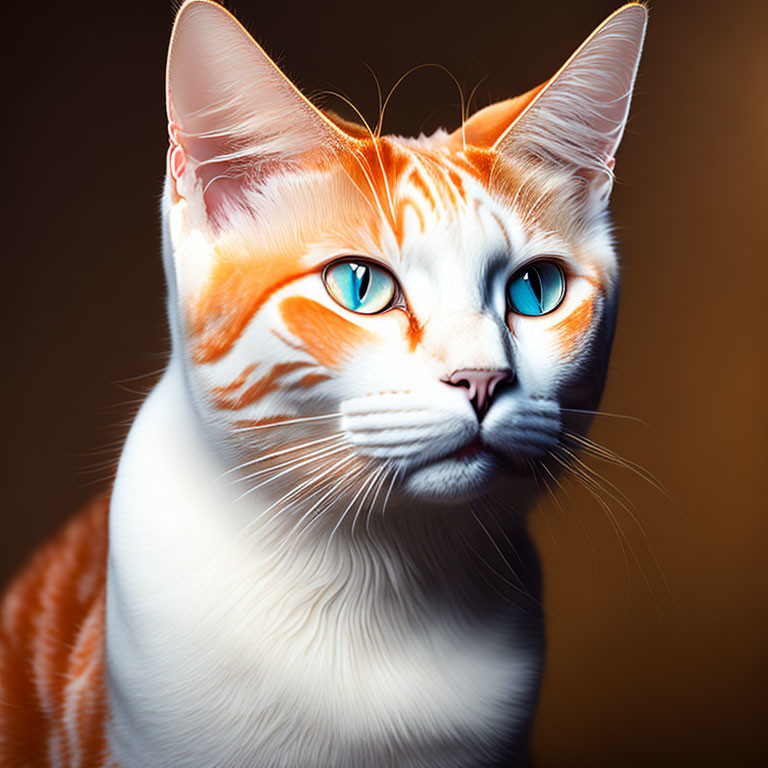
(480, 385)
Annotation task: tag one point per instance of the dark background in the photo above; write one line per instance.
(639, 672)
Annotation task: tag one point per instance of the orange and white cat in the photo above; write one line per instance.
(315, 552)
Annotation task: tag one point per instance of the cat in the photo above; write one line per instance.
(314, 552)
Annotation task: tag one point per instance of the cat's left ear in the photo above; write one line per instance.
(575, 121)
(233, 116)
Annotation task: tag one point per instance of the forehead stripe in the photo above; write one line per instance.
(402, 205)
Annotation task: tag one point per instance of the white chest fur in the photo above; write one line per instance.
(220, 653)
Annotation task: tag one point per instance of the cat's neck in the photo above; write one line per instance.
(201, 590)
(172, 482)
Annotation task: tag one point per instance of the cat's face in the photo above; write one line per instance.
(417, 309)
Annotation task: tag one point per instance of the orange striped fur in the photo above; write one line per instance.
(52, 697)
(326, 336)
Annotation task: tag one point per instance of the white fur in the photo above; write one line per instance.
(289, 610)
(220, 654)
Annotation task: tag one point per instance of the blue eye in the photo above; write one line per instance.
(537, 288)
(360, 286)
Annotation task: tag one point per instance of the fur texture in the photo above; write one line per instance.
(317, 546)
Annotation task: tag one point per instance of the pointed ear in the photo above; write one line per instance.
(576, 120)
(232, 113)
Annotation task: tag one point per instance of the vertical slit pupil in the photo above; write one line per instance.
(362, 278)
(533, 278)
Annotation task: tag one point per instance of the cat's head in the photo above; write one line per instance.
(354, 307)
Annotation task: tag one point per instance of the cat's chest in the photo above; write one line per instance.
(227, 650)
(305, 686)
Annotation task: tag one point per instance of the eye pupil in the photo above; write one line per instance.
(363, 279)
(534, 281)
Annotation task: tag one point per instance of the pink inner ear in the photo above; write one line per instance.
(486, 125)
(222, 181)
(178, 160)
(221, 190)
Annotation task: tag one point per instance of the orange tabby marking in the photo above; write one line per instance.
(416, 179)
(311, 379)
(326, 336)
(235, 384)
(402, 204)
(259, 388)
(573, 327)
(52, 622)
(241, 282)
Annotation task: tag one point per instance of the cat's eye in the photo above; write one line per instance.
(537, 288)
(360, 286)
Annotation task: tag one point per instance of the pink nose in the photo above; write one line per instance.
(480, 384)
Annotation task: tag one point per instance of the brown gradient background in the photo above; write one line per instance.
(638, 674)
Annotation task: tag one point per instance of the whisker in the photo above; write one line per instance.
(621, 537)
(295, 491)
(543, 516)
(375, 142)
(287, 422)
(476, 88)
(378, 89)
(410, 72)
(493, 510)
(591, 480)
(606, 414)
(389, 491)
(334, 466)
(339, 490)
(497, 548)
(293, 466)
(611, 457)
(327, 468)
(616, 494)
(387, 468)
(348, 507)
(578, 514)
(620, 498)
(501, 576)
(374, 477)
(282, 452)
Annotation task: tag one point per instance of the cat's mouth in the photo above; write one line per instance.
(456, 476)
(443, 454)
(471, 449)
(469, 471)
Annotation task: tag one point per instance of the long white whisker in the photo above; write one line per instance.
(296, 491)
(349, 506)
(350, 481)
(498, 548)
(387, 468)
(500, 575)
(293, 466)
(287, 422)
(604, 413)
(334, 489)
(282, 452)
(389, 491)
(374, 477)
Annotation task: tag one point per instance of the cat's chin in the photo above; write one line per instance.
(453, 479)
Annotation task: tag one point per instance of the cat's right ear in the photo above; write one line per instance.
(233, 116)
